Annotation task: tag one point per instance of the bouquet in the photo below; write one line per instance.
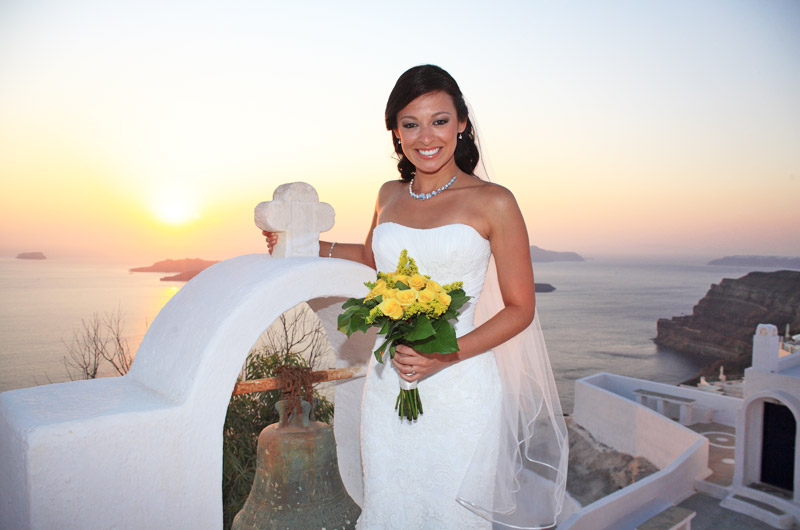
(411, 309)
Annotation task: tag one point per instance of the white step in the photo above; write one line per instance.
(758, 510)
(709, 488)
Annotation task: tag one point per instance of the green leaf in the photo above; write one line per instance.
(400, 286)
(352, 301)
(381, 349)
(343, 324)
(457, 299)
(421, 328)
(357, 323)
(444, 341)
(450, 315)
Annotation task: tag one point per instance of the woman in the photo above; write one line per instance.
(465, 460)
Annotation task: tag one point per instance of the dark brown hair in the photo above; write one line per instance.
(416, 82)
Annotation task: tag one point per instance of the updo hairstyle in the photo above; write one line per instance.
(416, 82)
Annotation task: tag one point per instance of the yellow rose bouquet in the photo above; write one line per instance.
(408, 308)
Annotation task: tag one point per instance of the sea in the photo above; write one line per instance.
(600, 318)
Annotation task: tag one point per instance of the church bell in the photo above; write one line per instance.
(297, 483)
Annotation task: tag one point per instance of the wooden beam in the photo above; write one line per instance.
(274, 383)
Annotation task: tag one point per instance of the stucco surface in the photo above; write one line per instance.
(145, 450)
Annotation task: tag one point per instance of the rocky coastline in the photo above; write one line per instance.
(784, 262)
(541, 255)
(186, 268)
(721, 326)
(31, 255)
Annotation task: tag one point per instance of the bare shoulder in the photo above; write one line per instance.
(494, 196)
(389, 189)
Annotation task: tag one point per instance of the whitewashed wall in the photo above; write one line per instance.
(621, 423)
(145, 450)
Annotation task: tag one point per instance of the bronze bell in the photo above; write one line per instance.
(297, 483)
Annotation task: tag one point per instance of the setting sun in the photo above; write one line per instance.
(175, 210)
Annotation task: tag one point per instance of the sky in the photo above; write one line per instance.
(145, 130)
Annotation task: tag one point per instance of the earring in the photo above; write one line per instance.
(398, 141)
(460, 137)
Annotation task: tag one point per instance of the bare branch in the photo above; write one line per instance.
(99, 340)
(297, 331)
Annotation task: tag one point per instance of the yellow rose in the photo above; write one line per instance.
(426, 296)
(407, 297)
(390, 294)
(379, 289)
(444, 298)
(400, 278)
(391, 308)
(432, 285)
(417, 281)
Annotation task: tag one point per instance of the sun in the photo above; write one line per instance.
(175, 210)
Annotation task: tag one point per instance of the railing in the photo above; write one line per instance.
(606, 407)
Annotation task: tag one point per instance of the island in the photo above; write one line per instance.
(541, 255)
(186, 268)
(544, 288)
(31, 255)
(784, 262)
(721, 327)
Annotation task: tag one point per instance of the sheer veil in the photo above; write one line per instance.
(526, 472)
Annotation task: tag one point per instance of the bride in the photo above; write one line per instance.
(491, 444)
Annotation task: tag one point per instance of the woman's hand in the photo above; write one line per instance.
(272, 239)
(413, 365)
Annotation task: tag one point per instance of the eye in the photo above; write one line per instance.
(441, 122)
(409, 125)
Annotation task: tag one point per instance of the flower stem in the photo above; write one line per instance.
(408, 404)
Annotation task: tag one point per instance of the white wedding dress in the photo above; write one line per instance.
(413, 471)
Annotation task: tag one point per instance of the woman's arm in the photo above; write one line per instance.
(352, 251)
(511, 249)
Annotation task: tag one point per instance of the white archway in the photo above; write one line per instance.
(750, 428)
(145, 450)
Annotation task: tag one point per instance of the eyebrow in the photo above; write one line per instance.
(409, 117)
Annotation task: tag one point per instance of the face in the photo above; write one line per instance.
(428, 128)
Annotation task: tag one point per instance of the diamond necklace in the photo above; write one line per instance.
(426, 196)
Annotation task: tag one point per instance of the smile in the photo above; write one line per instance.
(430, 152)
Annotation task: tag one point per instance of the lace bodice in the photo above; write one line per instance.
(448, 253)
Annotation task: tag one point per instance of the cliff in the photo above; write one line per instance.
(758, 261)
(722, 324)
(542, 255)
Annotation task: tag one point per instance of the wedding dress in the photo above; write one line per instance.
(491, 448)
(413, 471)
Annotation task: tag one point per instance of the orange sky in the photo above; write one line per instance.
(138, 132)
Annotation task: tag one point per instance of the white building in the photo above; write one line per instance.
(742, 451)
(766, 482)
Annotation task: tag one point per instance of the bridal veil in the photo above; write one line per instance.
(528, 466)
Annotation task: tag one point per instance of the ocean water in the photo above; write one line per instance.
(42, 303)
(601, 317)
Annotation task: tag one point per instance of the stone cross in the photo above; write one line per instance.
(298, 217)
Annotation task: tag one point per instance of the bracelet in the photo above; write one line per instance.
(330, 252)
